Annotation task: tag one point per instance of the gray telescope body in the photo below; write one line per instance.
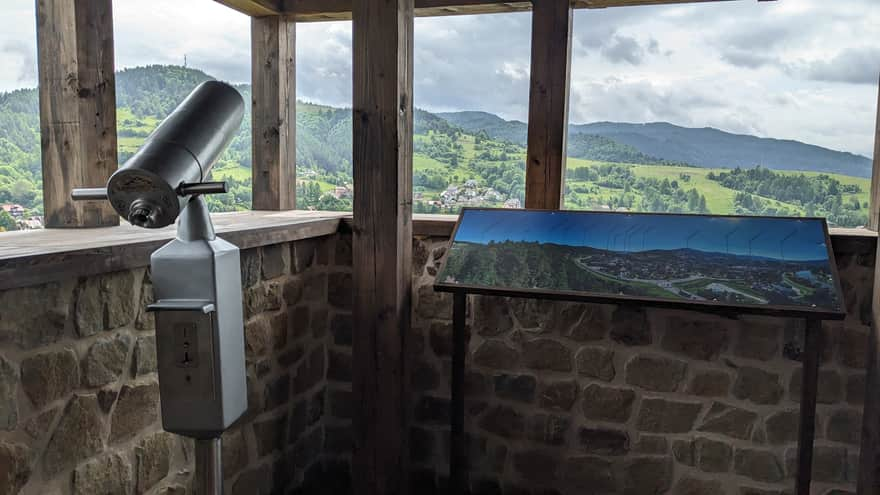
(155, 184)
(196, 277)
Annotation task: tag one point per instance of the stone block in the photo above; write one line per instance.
(308, 448)
(276, 392)
(546, 354)
(759, 465)
(250, 267)
(39, 317)
(338, 365)
(696, 339)
(608, 403)
(729, 420)
(105, 360)
(433, 305)
(520, 388)
(647, 475)
(629, 326)
(78, 436)
(655, 373)
(713, 456)
(593, 325)
(548, 429)
(39, 426)
(758, 339)
(504, 421)
(152, 460)
(589, 474)
(855, 389)
(667, 416)
(49, 376)
(420, 255)
(340, 328)
(146, 320)
(143, 359)
(558, 396)
(853, 344)
(9, 380)
(536, 465)
(338, 440)
(496, 354)
(89, 307)
(110, 473)
(15, 470)
(275, 261)
(440, 338)
(424, 376)
(684, 452)
(339, 290)
(709, 383)
(118, 291)
(829, 464)
(310, 371)
(234, 454)
(782, 427)
(342, 254)
(270, 434)
(845, 425)
(651, 444)
(830, 390)
(602, 441)
(596, 362)
(136, 408)
(421, 444)
(254, 481)
(757, 385)
(491, 316)
(695, 486)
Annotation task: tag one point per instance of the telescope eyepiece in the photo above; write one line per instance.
(144, 214)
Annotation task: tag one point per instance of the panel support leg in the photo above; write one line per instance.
(209, 470)
(809, 387)
(457, 453)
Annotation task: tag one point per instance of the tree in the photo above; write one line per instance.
(7, 222)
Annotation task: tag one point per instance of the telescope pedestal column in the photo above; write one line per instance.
(209, 469)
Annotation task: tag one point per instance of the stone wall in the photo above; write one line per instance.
(79, 410)
(577, 398)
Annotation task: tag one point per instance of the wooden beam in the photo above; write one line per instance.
(382, 241)
(254, 8)
(874, 219)
(548, 103)
(273, 75)
(77, 88)
(335, 10)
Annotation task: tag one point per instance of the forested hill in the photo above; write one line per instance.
(705, 147)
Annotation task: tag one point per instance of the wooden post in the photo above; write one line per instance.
(382, 241)
(273, 74)
(869, 454)
(77, 108)
(874, 212)
(548, 103)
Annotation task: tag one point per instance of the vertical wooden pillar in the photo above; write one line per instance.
(548, 103)
(273, 76)
(874, 212)
(77, 108)
(382, 241)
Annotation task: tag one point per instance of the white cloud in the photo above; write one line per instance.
(794, 69)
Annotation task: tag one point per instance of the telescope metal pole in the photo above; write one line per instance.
(209, 469)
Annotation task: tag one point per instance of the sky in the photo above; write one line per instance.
(780, 238)
(790, 69)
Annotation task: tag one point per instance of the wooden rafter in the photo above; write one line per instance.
(335, 10)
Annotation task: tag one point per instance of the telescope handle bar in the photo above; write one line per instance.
(202, 188)
(89, 194)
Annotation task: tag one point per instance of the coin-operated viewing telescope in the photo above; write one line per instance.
(196, 277)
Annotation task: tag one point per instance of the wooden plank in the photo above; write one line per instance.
(548, 103)
(77, 89)
(273, 72)
(335, 10)
(38, 257)
(254, 8)
(382, 242)
(874, 220)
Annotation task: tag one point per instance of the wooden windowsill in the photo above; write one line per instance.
(41, 256)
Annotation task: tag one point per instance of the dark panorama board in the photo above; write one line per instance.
(764, 265)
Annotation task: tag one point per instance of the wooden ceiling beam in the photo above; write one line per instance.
(338, 10)
(255, 8)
